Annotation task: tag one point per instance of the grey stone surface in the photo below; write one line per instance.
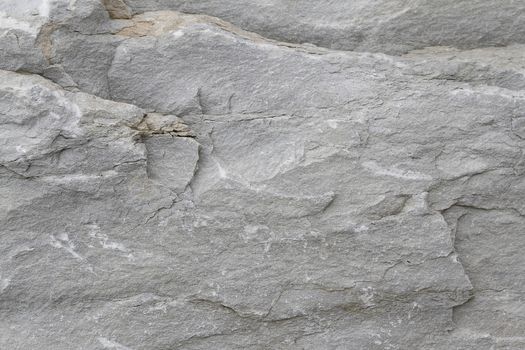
(19, 49)
(176, 181)
(393, 26)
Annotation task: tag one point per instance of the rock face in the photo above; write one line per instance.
(262, 174)
(392, 26)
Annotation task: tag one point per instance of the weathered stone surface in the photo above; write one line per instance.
(19, 49)
(176, 181)
(117, 9)
(86, 16)
(392, 26)
(497, 66)
(89, 70)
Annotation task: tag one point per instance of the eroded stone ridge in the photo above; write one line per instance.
(262, 175)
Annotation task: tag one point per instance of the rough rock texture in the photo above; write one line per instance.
(391, 26)
(262, 174)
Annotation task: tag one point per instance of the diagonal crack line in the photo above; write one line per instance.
(221, 305)
(157, 212)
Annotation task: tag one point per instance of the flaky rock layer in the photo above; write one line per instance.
(262, 174)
